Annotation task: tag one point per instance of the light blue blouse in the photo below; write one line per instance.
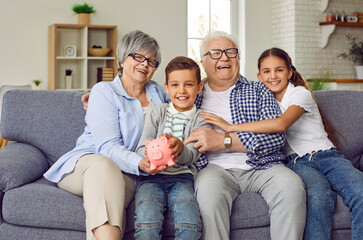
(114, 125)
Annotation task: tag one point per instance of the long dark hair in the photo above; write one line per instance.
(297, 80)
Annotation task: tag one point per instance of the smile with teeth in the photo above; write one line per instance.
(223, 67)
(274, 82)
(182, 98)
(141, 71)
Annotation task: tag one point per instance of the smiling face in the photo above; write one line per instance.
(275, 75)
(183, 89)
(223, 71)
(137, 72)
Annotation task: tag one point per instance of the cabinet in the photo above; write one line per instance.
(83, 66)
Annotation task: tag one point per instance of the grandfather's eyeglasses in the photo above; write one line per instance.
(141, 58)
(217, 53)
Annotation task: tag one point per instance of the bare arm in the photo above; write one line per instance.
(276, 125)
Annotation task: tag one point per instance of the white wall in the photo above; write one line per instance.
(296, 29)
(24, 31)
(254, 32)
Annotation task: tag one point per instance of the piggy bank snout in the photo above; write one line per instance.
(156, 154)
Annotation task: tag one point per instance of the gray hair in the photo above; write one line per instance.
(217, 34)
(137, 41)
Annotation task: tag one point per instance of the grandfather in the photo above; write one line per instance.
(241, 162)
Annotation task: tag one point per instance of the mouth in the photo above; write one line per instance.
(274, 83)
(182, 98)
(141, 71)
(224, 67)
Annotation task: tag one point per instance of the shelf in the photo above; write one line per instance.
(343, 80)
(84, 67)
(327, 28)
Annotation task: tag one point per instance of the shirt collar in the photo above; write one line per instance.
(119, 89)
(286, 96)
(189, 114)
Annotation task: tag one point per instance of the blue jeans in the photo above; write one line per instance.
(154, 194)
(326, 173)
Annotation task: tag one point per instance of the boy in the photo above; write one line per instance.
(173, 187)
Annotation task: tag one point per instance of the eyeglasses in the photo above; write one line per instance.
(217, 53)
(141, 58)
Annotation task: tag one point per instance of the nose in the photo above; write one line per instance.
(224, 56)
(181, 89)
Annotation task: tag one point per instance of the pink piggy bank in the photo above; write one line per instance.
(158, 152)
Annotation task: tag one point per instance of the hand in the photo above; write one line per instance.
(85, 98)
(176, 146)
(206, 139)
(218, 121)
(144, 165)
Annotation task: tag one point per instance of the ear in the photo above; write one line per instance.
(147, 143)
(166, 88)
(200, 87)
(259, 76)
(290, 74)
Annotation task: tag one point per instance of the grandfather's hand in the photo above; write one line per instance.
(206, 139)
(144, 165)
(85, 98)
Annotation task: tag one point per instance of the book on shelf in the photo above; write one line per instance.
(105, 74)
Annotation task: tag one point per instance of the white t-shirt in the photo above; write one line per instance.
(218, 103)
(307, 134)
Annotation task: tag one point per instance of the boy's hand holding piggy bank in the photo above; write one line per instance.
(159, 153)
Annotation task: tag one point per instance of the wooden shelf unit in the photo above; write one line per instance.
(327, 28)
(84, 67)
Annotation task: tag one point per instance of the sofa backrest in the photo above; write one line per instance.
(49, 120)
(344, 111)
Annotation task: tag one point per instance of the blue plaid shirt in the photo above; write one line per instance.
(252, 101)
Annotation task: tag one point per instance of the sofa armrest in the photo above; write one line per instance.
(20, 164)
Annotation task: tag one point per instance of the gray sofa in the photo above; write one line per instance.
(46, 124)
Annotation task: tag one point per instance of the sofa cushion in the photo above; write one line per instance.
(343, 109)
(43, 204)
(12, 232)
(341, 218)
(52, 123)
(249, 210)
(20, 164)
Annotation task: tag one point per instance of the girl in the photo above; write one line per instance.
(310, 152)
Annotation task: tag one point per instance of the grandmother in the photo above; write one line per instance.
(102, 166)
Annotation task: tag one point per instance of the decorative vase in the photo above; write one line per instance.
(68, 82)
(84, 18)
(359, 70)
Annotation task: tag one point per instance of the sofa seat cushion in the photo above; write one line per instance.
(341, 218)
(249, 210)
(43, 204)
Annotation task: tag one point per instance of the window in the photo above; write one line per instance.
(205, 16)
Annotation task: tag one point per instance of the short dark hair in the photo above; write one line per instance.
(182, 63)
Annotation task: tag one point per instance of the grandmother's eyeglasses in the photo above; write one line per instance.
(141, 58)
(217, 53)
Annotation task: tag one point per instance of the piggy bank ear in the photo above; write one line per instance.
(147, 143)
(164, 140)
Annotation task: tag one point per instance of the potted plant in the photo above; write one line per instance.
(69, 78)
(37, 82)
(322, 82)
(83, 11)
(355, 54)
